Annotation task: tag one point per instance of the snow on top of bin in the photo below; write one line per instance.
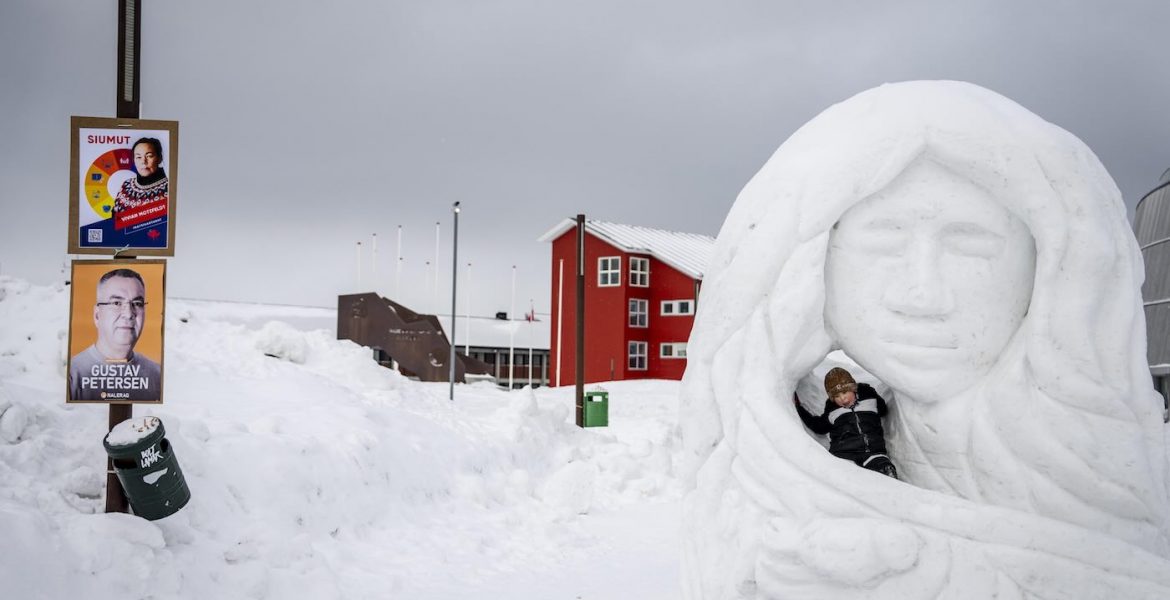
(132, 430)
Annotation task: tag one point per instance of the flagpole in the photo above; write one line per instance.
(512, 332)
(398, 267)
(467, 312)
(454, 280)
(531, 320)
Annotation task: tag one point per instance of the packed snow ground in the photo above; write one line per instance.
(315, 473)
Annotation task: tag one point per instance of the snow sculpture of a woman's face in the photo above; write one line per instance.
(956, 246)
(927, 280)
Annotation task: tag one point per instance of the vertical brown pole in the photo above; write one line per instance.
(115, 497)
(129, 49)
(580, 370)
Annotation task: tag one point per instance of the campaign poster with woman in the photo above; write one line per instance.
(122, 182)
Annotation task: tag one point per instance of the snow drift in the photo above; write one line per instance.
(317, 474)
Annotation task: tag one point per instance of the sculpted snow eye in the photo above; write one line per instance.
(883, 238)
(969, 239)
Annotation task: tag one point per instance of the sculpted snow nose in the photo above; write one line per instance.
(919, 289)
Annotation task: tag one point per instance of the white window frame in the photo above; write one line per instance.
(671, 350)
(639, 313)
(639, 277)
(609, 274)
(673, 308)
(634, 352)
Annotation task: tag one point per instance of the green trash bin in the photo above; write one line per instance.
(597, 408)
(147, 467)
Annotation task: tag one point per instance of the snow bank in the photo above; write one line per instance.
(977, 260)
(316, 473)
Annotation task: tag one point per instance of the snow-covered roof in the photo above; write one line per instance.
(496, 333)
(687, 252)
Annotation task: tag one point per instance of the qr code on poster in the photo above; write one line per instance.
(94, 236)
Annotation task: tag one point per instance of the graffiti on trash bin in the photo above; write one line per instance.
(150, 456)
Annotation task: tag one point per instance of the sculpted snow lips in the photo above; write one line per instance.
(977, 261)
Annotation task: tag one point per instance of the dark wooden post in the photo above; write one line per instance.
(580, 321)
(129, 49)
(115, 496)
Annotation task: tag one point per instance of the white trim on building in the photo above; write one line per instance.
(639, 313)
(676, 308)
(639, 272)
(637, 356)
(609, 271)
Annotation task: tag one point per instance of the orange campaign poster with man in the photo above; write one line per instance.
(116, 331)
(122, 186)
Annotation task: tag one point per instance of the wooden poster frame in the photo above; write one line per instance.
(155, 294)
(170, 161)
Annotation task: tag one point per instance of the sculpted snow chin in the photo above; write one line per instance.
(978, 261)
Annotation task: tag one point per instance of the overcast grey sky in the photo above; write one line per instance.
(306, 126)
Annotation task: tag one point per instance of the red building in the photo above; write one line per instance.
(641, 287)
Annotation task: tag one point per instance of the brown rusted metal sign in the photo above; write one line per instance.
(415, 341)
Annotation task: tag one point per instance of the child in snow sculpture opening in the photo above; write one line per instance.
(853, 419)
(976, 259)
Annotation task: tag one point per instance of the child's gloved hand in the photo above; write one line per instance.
(865, 391)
